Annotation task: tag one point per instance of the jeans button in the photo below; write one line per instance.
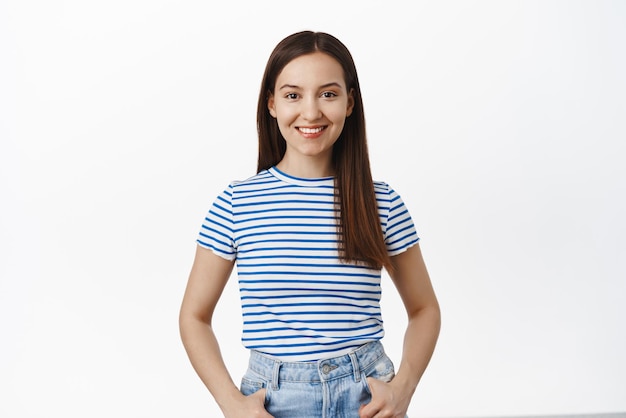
(327, 368)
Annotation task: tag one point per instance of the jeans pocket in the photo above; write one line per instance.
(382, 369)
(252, 383)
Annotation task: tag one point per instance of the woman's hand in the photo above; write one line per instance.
(391, 400)
(252, 406)
(388, 401)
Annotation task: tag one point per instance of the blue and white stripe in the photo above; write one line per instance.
(299, 301)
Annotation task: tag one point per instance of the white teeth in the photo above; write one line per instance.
(311, 130)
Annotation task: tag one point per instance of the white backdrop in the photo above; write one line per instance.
(501, 123)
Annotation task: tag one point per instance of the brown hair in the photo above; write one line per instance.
(359, 224)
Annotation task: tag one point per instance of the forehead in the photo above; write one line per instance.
(310, 70)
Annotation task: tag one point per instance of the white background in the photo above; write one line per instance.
(501, 124)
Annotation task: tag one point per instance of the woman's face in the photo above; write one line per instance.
(311, 103)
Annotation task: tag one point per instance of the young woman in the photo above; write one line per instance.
(310, 233)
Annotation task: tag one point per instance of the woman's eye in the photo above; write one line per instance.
(291, 96)
(328, 94)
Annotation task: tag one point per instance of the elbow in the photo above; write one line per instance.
(187, 321)
(430, 314)
(190, 320)
(183, 322)
(434, 313)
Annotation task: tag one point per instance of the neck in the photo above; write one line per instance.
(306, 167)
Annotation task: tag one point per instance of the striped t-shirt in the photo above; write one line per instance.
(299, 301)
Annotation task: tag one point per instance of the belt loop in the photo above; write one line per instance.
(355, 367)
(275, 374)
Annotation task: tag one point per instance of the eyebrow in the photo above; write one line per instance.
(324, 86)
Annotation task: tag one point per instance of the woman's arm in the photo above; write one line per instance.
(411, 278)
(207, 279)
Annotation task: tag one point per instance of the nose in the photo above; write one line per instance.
(310, 109)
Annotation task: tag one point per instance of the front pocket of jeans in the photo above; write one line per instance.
(251, 384)
(382, 370)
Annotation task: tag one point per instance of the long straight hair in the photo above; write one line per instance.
(361, 238)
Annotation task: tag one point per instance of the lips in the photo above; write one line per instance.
(310, 131)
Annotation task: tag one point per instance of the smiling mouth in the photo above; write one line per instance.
(311, 130)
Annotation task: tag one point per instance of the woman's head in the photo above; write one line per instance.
(272, 145)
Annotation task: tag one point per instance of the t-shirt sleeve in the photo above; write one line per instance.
(400, 233)
(217, 231)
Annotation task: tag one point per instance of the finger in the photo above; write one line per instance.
(260, 393)
(367, 411)
(373, 386)
(371, 409)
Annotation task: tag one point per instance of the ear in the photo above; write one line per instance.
(271, 106)
(350, 102)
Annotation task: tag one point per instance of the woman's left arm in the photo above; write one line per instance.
(410, 276)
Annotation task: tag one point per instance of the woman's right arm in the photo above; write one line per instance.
(207, 279)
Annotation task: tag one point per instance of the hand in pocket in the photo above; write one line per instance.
(251, 406)
(385, 401)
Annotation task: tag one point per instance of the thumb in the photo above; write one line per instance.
(364, 411)
(260, 394)
(368, 410)
(370, 385)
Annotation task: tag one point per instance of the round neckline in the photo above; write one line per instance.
(302, 181)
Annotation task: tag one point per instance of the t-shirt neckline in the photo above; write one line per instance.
(302, 181)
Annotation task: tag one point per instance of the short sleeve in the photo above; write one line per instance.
(217, 231)
(400, 233)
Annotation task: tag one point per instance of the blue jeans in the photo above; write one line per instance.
(329, 388)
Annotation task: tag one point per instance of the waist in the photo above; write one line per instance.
(352, 363)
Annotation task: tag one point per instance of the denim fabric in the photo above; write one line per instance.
(329, 388)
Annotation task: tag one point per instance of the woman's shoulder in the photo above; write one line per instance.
(382, 187)
(379, 184)
(385, 193)
(255, 181)
(251, 179)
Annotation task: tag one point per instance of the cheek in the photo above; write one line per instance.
(284, 120)
(337, 113)
(285, 115)
(338, 117)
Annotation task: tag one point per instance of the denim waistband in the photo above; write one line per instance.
(275, 371)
